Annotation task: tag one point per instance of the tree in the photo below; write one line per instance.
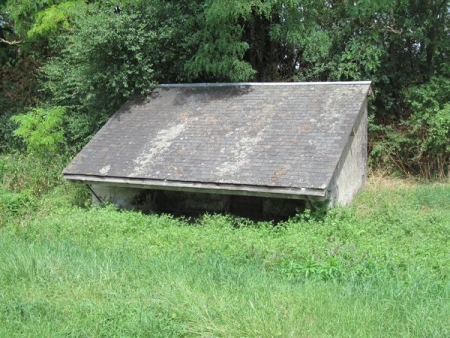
(90, 56)
(288, 40)
(110, 54)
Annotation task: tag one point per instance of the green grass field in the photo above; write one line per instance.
(380, 268)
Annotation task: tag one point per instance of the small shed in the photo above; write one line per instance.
(252, 149)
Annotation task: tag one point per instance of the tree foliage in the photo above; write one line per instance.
(110, 55)
(55, 19)
(90, 56)
(41, 130)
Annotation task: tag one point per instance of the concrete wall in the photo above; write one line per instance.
(123, 197)
(350, 176)
(195, 204)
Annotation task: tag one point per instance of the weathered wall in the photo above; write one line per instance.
(123, 197)
(350, 176)
(195, 204)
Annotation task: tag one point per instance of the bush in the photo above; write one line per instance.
(419, 143)
(42, 131)
(16, 203)
(105, 59)
(19, 173)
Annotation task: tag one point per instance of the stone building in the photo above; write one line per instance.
(261, 150)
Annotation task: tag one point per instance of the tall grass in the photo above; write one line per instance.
(379, 268)
(58, 288)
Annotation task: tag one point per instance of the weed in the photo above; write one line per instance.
(331, 269)
(26, 172)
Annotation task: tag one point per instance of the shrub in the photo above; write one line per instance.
(418, 144)
(21, 172)
(105, 59)
(42, 130)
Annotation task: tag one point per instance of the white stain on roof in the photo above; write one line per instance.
(240, 153)
(156, 146)
(105, 170)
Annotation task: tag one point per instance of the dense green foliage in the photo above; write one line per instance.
(90, 56)
(380, 267)
(42, 130)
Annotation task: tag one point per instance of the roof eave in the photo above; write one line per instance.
(204, 187)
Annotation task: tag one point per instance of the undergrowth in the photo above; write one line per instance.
(378, 268)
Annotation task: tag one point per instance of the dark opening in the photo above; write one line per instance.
(247, 206)
(189, 204)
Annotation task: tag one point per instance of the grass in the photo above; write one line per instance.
(379, 268)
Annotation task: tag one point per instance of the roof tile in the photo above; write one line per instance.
(280, 135)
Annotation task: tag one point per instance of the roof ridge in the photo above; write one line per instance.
(233, 84)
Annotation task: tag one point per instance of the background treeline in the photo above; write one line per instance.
(66, 66)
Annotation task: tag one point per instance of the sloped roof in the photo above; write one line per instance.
(271, 137)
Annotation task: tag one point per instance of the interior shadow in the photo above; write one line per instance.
(192, 206)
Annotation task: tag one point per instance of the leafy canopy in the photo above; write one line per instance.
(41, 130)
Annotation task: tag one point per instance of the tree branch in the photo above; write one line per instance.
(393, 30)
(15, 42)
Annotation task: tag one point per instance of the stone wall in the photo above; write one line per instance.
(181, 203)
(350, 176)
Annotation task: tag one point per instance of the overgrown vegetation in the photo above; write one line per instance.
(380, 267)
